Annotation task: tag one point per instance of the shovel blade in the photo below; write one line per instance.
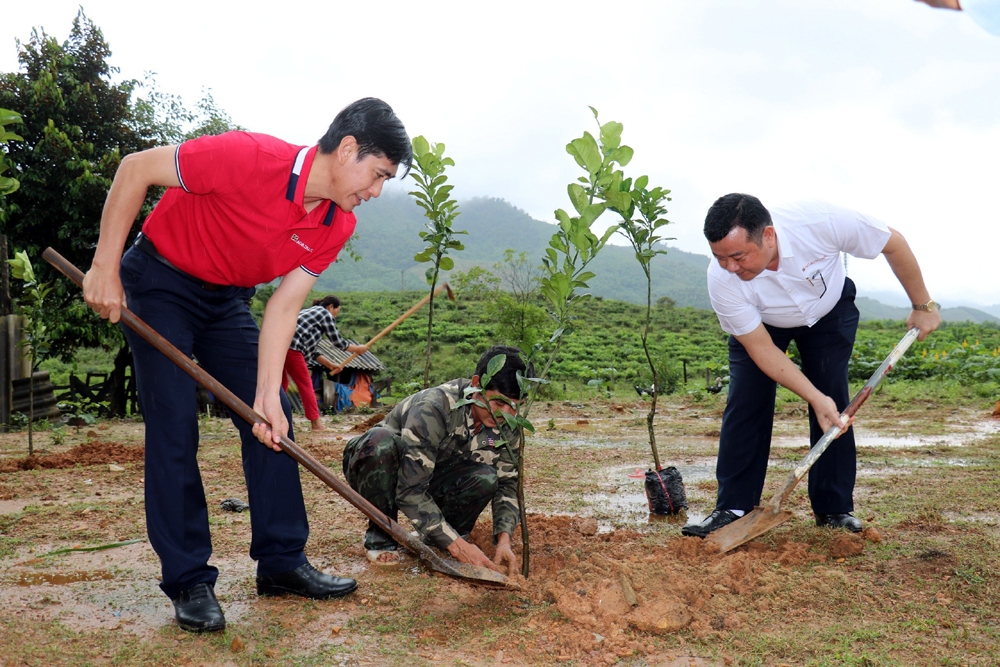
(451, 568)
(744, 529)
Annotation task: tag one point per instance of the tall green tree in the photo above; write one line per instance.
(78, 124)
(433, 194)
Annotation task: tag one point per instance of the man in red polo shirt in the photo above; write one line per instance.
(240, 209)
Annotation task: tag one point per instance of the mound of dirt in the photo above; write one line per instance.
(607, 588)
(372, 421)
(88, 454)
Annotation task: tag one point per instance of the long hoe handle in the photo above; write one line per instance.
(831, 434)
(304, 458)
(417, 306)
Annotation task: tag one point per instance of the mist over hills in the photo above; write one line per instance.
(387, 238)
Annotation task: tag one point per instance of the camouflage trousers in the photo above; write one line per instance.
(371, 466)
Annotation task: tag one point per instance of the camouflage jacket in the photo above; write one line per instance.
(436, 434)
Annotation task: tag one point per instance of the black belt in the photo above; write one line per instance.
(143, 243)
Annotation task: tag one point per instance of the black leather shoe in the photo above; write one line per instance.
(717, 519)
(197, 610)
(306, 581)
(846, 521)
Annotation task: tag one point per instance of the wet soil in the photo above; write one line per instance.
(609, 583)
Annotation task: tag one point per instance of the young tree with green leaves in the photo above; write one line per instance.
(433, 195)
(35, 333)
(571, 249)
(642, 233)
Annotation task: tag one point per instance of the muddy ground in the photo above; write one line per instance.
(609, 584)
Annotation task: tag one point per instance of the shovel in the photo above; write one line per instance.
(304, 458)
(764, 518)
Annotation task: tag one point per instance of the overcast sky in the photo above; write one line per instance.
(886, 106)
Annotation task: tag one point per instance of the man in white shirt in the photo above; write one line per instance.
(778, 278)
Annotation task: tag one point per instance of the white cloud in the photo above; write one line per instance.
(890, 107)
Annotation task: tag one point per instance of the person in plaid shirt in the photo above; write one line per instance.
(312, 325)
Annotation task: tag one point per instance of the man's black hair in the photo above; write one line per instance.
(376, 128)
(736, 210)
(505, 381)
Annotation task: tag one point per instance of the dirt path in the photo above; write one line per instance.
(609, 585)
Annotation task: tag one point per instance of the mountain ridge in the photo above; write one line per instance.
(388, 236)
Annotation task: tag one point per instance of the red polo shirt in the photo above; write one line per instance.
(238, 219)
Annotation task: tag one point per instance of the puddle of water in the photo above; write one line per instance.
(986, 518)
(58, 578)
(12, 506)
(628, 504)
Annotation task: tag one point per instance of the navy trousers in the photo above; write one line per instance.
(745, 439)
(217, 329)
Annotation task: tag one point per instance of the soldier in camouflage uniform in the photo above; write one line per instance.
(442, 463)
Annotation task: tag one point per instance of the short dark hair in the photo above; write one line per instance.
(328, 300)
(376, 128)
(736, 210)
(505, 381)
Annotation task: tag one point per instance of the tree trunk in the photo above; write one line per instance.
(430, 325)
(525, 543)
(117, 399)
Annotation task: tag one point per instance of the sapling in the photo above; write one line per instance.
(433, 195)
(35, 336)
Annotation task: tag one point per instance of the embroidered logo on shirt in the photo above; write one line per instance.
(295, 238)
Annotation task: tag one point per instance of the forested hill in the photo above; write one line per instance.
(388, 238)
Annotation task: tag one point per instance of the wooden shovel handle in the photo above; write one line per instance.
(417, 306)
(304, 458)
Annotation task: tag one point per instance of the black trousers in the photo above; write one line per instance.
(745, 439)
(217, 328)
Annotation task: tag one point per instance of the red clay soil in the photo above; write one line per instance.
(90, 453)
(605, 585)
(374, 420)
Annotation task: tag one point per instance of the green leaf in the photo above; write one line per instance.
(420, 146)
(447, 264)
(493, 367)
(622, 155)
(588, 151)
(578, 196)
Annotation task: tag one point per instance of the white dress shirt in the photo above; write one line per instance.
(810, 276)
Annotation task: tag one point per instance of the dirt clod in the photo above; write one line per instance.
(238, 645)
(662, 616)
(846, 544)
(587, 527)
(872, 534)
